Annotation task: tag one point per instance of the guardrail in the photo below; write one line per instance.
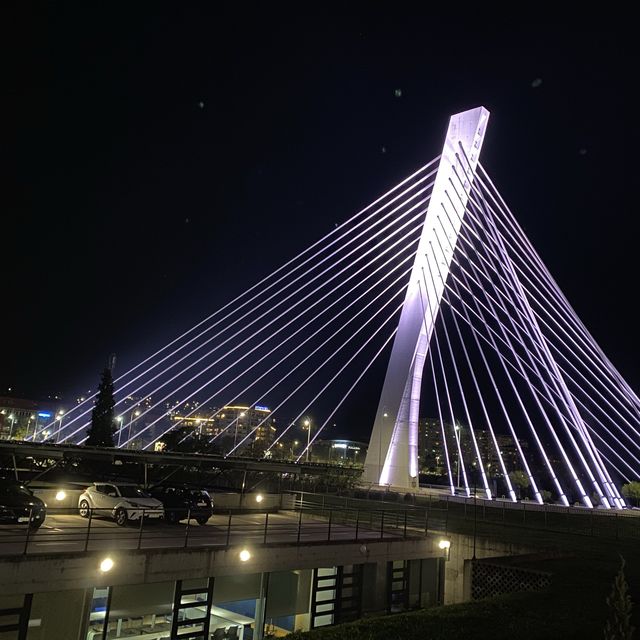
(442, 513)
(65, 530)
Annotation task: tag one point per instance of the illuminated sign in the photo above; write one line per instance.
(258, 408)
(339, 445)
(44, 414)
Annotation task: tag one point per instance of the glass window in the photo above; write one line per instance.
(133, 492)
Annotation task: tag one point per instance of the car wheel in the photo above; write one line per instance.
(121, 517)
(202, 520)
(84, 509)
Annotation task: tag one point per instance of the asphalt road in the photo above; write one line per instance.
(71, 533)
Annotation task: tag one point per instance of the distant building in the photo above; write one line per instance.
(231, 424)
(21, 418)
(431, 450)
(344, 452)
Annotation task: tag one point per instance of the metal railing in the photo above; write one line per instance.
(64, 530)
(443, 513)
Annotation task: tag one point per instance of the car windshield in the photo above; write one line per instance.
(133, 492)
(16, 489)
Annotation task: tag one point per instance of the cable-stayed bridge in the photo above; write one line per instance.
(437, 276)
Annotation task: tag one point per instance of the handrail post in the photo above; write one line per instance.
(357, 523)
(140, 530)
(329, 528)
(26, 542)
(266, 526)
(186, 531)
(405, 524)
(86, 540)
(229, 529)
(382, 525)
(426, 521)
(299, 527)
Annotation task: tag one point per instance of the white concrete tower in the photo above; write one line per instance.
(392, 458)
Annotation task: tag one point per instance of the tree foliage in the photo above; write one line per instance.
(102, 429)
(520, 478)
(631, 491)
(618, 625)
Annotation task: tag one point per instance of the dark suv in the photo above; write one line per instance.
(181, 502)
(18, 505)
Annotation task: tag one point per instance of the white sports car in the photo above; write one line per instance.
(122, 502)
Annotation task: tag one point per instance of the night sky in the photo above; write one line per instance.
(161, 161)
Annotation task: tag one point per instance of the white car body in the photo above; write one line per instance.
(110, 498)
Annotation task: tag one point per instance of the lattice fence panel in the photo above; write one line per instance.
(489, 580)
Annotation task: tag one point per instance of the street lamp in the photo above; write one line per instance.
(13, 421)
(385, 415)
(456, 429)
(119, 420)
(307, 426)
(135, 413)
(235, 434)
(59, 418)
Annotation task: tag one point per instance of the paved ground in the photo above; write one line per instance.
(64, 533)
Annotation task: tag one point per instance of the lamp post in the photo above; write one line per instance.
(456, 429)
(307, 426)
(385, 415)
(136, 413)
(235, 433)
(119, 420)
(59, 418)
(35, 429)
(13, 421)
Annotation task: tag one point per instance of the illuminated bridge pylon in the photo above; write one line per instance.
(508, 359)
(437, 275)
(392, 456)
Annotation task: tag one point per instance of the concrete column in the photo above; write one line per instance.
(261, 606)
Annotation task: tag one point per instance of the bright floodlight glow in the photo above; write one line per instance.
(106, 565)
(245, 555)
(444, 544)
(61, 495)
(259, 498)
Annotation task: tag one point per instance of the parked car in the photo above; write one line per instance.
(18, 505)
(181, 502)
(123, 502)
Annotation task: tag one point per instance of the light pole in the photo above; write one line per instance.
(385, 415)
(59, 418)
(135, 413)
(13, 421)
(35, 429)
(235, 434)
(456, 429)
(119, 420)
(307, 426)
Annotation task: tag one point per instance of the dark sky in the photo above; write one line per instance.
(132, 210)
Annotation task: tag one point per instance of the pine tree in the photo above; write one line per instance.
(102, 429)
(618, 625)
